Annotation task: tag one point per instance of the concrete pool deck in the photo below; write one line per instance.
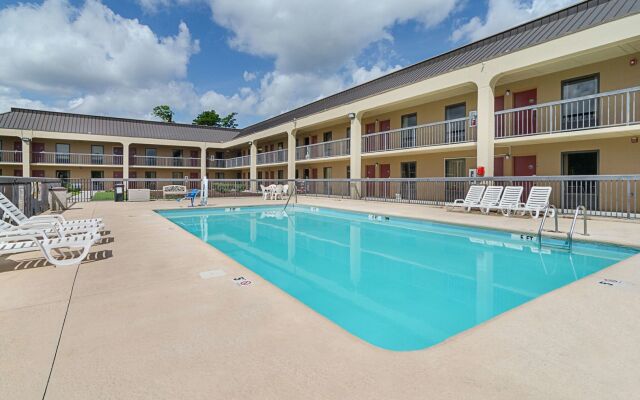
(136, 321)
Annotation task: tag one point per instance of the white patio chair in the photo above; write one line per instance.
(285, 190)
(21, 241)
(51, 229)
(277, 193)
(266, 192)
(491, 197)
(473, 198)
(537, 202)
(510, 199)
(20, 218)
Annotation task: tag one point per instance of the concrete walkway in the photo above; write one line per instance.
(142, 324)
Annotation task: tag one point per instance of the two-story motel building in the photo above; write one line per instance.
(559, 95)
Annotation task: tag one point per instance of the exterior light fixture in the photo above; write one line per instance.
(352, 116)
(507, 93)
(26, 139)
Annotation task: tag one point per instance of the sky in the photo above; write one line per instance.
(258, 58)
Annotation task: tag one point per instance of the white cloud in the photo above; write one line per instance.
(80, 56)
(503, 14)
(249, 76)
(319, 35)
(153, 6)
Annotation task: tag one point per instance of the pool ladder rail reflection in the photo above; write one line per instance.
(568, 244)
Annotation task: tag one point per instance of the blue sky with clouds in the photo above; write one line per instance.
(257, 58)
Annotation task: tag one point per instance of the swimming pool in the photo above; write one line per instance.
(399, 284)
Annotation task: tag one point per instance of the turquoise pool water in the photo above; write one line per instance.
(399, 284)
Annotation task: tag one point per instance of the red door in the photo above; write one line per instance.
(383, 140)
(17, 145)
(37, 173)
(17, 172)
(194, 158)
(36, 150)
(117, 174)
(385, 172)
(498, 166)
(370, 187)
(524, 166)
(132, 156)
(117, 156)
(525, 120)
(498, 105)
(370, 145)
(314, 173)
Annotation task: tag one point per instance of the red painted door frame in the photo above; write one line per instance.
(524, 166)
(370, 187)
(385, 172)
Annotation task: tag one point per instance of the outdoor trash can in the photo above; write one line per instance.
(119, 192)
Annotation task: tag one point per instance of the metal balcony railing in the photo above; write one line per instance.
(45, 157)
(272, 157)
(615, 108)
(10, 156)
(433, 134)
(334, 148)
(235, 162)
(186, 162)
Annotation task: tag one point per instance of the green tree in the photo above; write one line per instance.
(212, 118)
(163, 112)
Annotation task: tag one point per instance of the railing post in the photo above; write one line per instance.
(356, 151)
(628, 106)
(629, 198)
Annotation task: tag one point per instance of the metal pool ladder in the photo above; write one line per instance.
(295, 193)
(569, 241)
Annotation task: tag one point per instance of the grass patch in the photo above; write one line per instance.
(104, 196)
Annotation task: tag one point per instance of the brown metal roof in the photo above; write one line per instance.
(566, 21)
(50, 121)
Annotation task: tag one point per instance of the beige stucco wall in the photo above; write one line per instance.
(338, 131)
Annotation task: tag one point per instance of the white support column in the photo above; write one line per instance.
(253, 167)
(203, 162)
(125, 160)
(485, 128)
(26, 158)
(356, 147)
(291, 154)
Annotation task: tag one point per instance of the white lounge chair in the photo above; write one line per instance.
(285, 190)
(20, 218)
(510, 199)
(277, 192)
(537, 202)
(22, 241)
(491, 197)
(473, 198)
(51, 229)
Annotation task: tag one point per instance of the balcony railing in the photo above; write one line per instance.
(434, 134)
(164, 161)
(235, 162)
(334, 148)
(272, 157)
(45, 157)
(11, 156)
(616, 108)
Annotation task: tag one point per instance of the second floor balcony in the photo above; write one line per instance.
(45, 157)
(602, 110)
(272, 157)
(453, 131)
(236, 162)
(333, 148)
(151, 161)
(10, 156)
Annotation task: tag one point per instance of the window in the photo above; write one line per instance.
(454, 130)
(408, 189)
(453, 168)
(348, 171)
(150, 175)
(580, 114)
(97, 185)
(150, 156)
(97, 154)
(280, 174)
(64, 176)
(62, 153)
(348, 132)
(328, 148)
(326, 172)
(408, 136)
(280, 146)
(259, 174)
(177, 176)
(177, 157)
